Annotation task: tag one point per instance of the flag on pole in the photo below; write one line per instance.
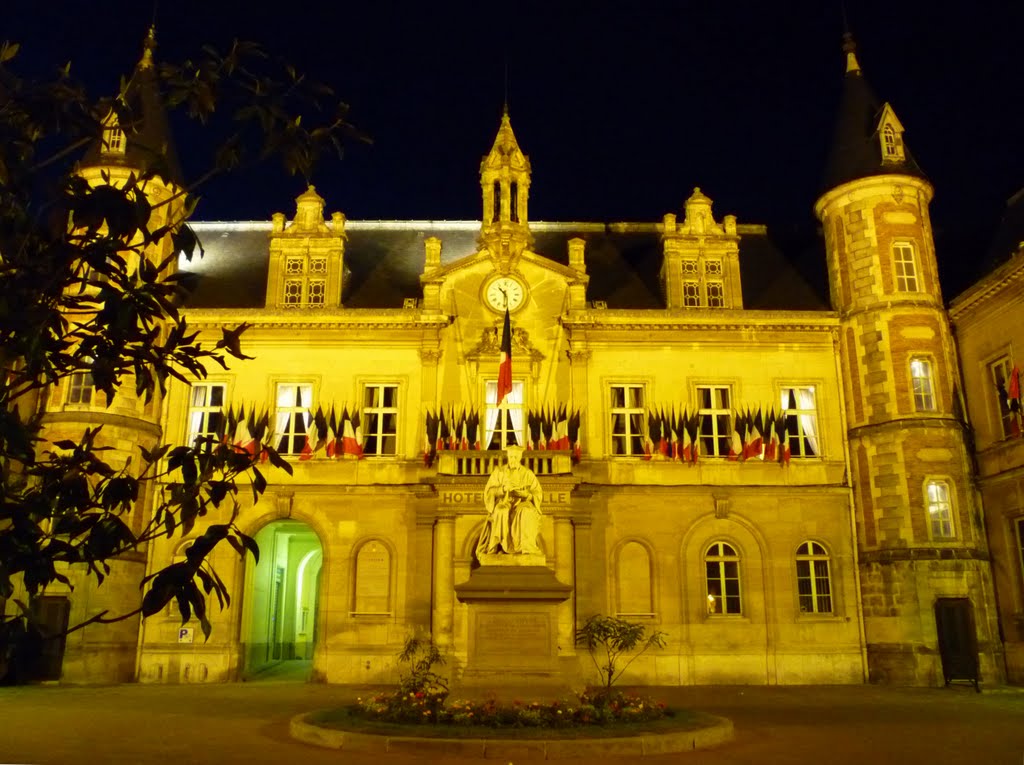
(505, 363)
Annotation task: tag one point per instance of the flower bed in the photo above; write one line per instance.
(590, 708)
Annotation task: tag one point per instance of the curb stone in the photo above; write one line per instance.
(718, 732)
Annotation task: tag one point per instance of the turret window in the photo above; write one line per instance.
(940, 509)
(890, 143)
(905, 261)
(921, 382)
(513, 202)
(497, 202)
(113, 136)
(80, 386)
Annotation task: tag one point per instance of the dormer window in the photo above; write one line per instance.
(889, 144)
(890, 136)
(113, 136)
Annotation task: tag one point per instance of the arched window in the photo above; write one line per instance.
(922, 384)
(634, 574)
(722, 569)
(113, 136)
(890, 147)
(813, 579)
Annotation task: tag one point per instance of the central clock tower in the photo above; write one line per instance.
(505, 183)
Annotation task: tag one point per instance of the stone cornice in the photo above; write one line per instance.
(1003, 278)
(705, 320)
(316, 318)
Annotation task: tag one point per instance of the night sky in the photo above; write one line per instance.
(622, 107)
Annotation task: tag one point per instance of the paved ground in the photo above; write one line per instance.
(247, 723)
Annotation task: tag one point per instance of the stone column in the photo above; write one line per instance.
(444, 594)
(564, 571)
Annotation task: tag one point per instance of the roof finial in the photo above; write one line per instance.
(850, 49)
(148, 46)
(504, 110)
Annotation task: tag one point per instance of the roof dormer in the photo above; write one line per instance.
(112, 141)
(890, 134)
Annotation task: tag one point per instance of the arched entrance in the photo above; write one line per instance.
(279, 609)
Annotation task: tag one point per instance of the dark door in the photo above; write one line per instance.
(958, 642)
(50, 613)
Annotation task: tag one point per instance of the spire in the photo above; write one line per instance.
(868, 137)
(145, 139)
(505, 183)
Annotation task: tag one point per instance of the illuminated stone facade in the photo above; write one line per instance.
(990, 339)
(823, 566)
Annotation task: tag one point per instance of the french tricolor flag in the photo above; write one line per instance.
(505, 365)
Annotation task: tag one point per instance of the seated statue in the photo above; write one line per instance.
(512, 497)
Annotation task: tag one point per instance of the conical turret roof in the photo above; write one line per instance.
(856, 149)
(148, 142)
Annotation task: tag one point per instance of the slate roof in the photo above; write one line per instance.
(855, 151)
(1009, 235)
(384, 260)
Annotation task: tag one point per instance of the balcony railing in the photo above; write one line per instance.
(482, 463)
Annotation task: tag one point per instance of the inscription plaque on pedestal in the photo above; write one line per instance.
(514, 635)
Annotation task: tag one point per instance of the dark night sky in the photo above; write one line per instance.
(622, 107)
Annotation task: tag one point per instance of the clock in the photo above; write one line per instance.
(504, 291)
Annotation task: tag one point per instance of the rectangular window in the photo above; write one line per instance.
(921, 382)
(906, 267)
(799, 407)
(714, 409)
(1000, 371)
(380, 419)
(80, 388)
(293, 416)
(691, 294)
(205, 411)
(716, 294)
(940, 509)
(626, 408)
(304, 285)
(503, 425)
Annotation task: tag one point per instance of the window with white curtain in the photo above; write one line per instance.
(503, 425)
(205, 410)
(293, 416)
(813, 579)
(799, 407)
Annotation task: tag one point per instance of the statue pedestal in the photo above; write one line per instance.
(513, 630)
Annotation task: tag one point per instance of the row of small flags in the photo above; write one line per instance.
(1010, 393)
(550, 428)
(335, 434)
(754, 435)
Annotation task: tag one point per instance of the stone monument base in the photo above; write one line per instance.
(513, 634)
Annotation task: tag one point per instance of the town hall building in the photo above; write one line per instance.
(785, 486)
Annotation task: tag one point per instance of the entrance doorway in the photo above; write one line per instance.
(279, 610)
(958, 643)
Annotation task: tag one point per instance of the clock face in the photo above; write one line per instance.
(504, 291)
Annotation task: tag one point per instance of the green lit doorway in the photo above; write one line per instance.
(280, 604)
